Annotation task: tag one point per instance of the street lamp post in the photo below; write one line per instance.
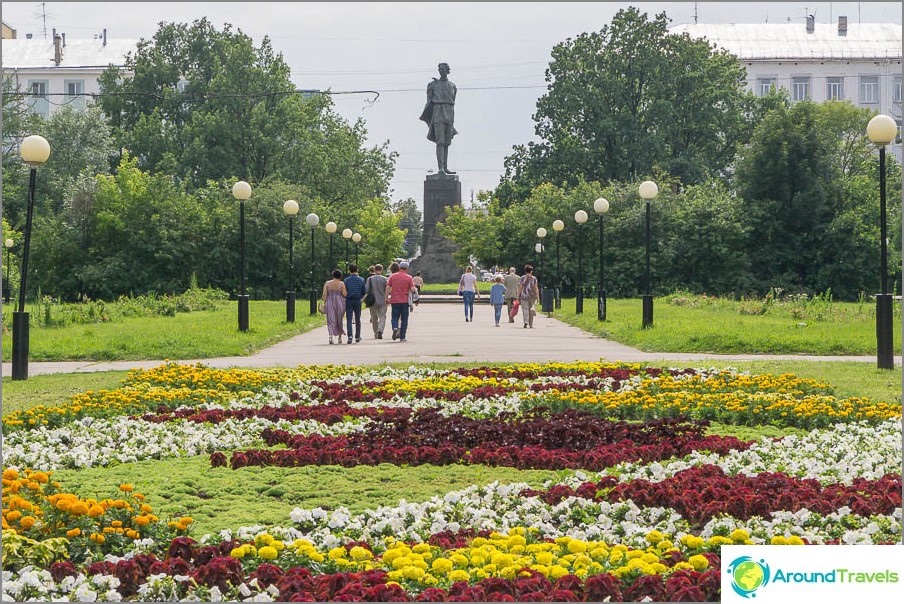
(541, 234)
(291, 209)
(356, 237)
(242, 192)
(313, 220)
(558, 226)
(34, 151)
(346, 234)
(882, 131)
(601, 206)
(580, 217)
(647, 190)
(331, 229)
(8, 244)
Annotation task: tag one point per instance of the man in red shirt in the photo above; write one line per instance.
(398, 287)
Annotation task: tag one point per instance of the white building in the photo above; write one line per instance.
(58, 72)
(857, 62)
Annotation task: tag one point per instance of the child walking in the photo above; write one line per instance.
(497, 297)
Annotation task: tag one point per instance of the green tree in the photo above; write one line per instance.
(629, 99)
(410, 219)
(203, 104)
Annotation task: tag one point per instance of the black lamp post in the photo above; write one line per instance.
(291, 209)
(242, 192)
(558, 226)
(346, 234)
(34, 151)
(647, 190)
(580, 217)
(313, 220)
(8, 244)
(882, 131)
(331, 229)
(541, 234)
(356, 237)
(601, 206)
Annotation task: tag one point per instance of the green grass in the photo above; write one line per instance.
(847, 329)
(193, 335)
(219, 498)
(440, 288)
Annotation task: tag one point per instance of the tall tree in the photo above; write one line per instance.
(410, 219)
(204, 104)
(630, 98)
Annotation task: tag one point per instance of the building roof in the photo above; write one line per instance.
(771, 41)
(37, 53)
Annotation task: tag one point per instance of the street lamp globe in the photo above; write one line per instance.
(558, 226)
(881, 130)
(8, 243)
(601, 206)
(331, 227)
(356, 237)
(346, 233)
(312, 219)
(34, 150)
(541, 232)
(648, 189)
(538, 247)
(241, 190)
(580, 217)
(290, 207)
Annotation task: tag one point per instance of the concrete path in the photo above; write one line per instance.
(439, 333)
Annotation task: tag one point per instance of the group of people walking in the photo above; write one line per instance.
(342, 301)
(510, 291)
(344, 298)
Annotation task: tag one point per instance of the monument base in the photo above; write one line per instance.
(437, 265)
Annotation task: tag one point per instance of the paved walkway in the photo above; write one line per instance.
(439, 333)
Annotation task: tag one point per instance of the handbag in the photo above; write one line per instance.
(321, 308)
(516, 306)
(369, 299)
(461, 287)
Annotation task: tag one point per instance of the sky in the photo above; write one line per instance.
(497, 52)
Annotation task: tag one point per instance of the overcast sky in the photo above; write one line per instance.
(497, 53)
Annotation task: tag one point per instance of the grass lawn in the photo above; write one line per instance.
(837, 329)
(192, 335)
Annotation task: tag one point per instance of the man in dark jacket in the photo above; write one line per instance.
(354, 285)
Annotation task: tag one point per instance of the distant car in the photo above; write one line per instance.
(487, 276)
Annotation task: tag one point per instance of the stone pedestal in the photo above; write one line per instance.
(435, 262)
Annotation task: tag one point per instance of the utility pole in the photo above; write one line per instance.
(695, 13)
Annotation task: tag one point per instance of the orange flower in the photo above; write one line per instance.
(79, 508)
(40, 477)
(27, 522)
(74, 532)
(95, 511)
(13, 515)
(142, 520)
(116, 524)
(10, 474)
(126, 488)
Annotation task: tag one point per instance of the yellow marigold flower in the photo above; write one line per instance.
(237, 552)
(13, 515)
(268, 553)
(98, 538)
(142, 520)
(459, 575)
(442, 566)
(116, 524)
(360, 553)
(40, 477)
(186, 520)
(739, 535)
(557, 571)
(10, 474)
(654, 537)
(79, 508)
(421, 548)
(74, 532)
(336, 553)
(279, 545)
(27, 522)
(133, 534)
(126, 488)
(699, 562)
(458, 560)
(792, 540)
(413, 573)
(576, 546)
(263, 539)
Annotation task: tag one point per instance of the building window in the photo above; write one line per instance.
(37, 100)
(800, 88)
(896, 90)
(74, 91)
(764, 85)
(869, 89)
(834, 89)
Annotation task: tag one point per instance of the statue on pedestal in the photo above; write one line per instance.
(439, 113)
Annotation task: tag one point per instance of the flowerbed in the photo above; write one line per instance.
(645, 499)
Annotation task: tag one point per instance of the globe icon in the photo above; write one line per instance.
(748, 575)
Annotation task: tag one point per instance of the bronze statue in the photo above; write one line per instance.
(439, 113)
